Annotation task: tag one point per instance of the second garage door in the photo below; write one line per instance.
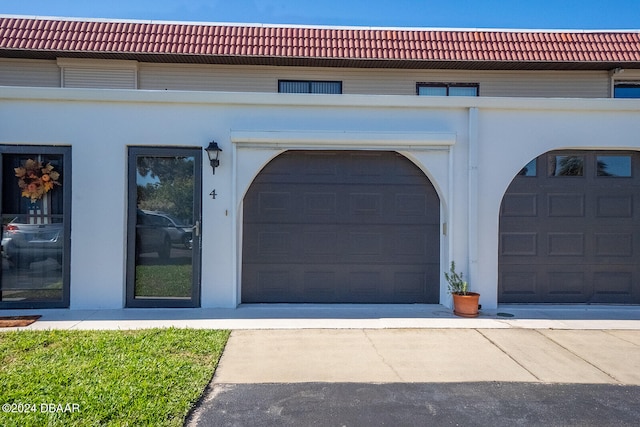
(341, 227)
(570, 230)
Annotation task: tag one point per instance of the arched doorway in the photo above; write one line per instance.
(570, 230)
(341, 227)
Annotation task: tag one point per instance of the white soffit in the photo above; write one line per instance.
(292, 139)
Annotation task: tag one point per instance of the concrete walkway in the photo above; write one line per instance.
(431, 355)
(341, 316)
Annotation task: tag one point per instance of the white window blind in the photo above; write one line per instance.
(306, 86)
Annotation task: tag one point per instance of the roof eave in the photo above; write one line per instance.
(319, 62)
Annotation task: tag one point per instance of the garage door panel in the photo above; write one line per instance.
(319, 164)
(565, 205)
(339, 168)
(565, 244)
(368, 164)
(268, 243)
(411, 285)
(269, 204)
(520, 204)
(318, 244)
(321, 203)
(410, 205)
(365, 206)
(518, 244)
(365, 286)
(341, 204)
(417, 207)
(519, 283)
(571, 239)
(273, 284)
(349, 227)
(612, 245)
(614, 206)
(319, 286)
(355, 283)
(613, 285)
(378, 167)
(364, 246)
(567, 283)
(275, 243)
(417, 284)
(409, 245)
(292, 243)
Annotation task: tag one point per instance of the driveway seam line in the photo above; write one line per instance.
(382, 358)
(608, 332)
(508, 355)
(580, 357)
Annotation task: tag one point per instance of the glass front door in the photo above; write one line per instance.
(35, 207)
(164, 227)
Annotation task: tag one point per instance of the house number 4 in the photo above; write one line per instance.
(213, 194)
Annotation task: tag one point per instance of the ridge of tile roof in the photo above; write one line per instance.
(313, 26)
(210, 42)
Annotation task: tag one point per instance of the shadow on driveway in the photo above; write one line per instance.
(463, 404)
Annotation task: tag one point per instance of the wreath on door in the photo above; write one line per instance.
(35, 179)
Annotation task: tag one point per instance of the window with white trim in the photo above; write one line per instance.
(447, 89)
(309, 86)
(627, 89)
(98, 73)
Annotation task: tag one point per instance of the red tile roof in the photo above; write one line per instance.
(177, 42)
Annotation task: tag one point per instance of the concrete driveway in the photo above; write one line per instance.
(425, 376)
(431, 355)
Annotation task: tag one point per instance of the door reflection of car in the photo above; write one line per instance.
(159, 232)
(24, 243)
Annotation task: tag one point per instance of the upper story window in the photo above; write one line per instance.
(98, 73)
(627, 90)
(309, 86)
(448, 89)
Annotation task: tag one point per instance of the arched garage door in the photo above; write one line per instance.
(341, 227)
(570, 230)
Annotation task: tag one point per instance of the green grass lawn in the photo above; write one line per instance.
(149, 377)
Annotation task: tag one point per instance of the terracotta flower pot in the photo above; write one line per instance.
(466, 305)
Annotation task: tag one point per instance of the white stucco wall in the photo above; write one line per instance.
(470, 148)
(510, 138)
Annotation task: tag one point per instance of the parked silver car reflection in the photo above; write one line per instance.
(24, 243)
(158, 232)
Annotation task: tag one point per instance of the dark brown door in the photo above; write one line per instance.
(570, 230)
(341, 227)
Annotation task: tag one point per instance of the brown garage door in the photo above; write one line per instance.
(341, 227)
(570, 230)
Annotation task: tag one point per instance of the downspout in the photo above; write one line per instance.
(474, 186)
(235, 212)
(448, 231)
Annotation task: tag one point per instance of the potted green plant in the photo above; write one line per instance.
(465, 303)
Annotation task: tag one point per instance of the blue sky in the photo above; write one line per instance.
(524, 14)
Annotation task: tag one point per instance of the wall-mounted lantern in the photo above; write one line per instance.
(213, 151)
